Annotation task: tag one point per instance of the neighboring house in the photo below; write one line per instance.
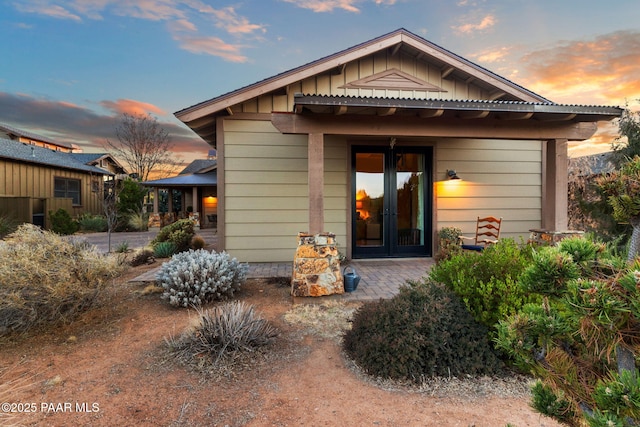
(197, 185)
(14, 134)
(35, 180)
(359, 143)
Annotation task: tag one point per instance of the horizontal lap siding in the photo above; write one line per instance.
(500, 178)
(266, 191)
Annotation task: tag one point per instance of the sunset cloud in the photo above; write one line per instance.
(130, 106)
(604, 69)
(328, 5)
(180, 17)
(492, 56)
(476, 25)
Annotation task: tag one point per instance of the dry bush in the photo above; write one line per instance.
(45, 278)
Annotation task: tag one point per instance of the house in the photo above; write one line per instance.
(36, 179)
(361, 143)
(15, 134)
(196, 185)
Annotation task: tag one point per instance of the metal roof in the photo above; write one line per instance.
(186, 180)
(20, 151)
(525, 110)
(199, 165)
(18, 132)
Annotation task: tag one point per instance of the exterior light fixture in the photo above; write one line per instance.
(452, 174)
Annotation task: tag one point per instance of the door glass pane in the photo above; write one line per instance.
(410, 191)
(369, 207)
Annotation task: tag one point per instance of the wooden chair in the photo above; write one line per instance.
(487, 233)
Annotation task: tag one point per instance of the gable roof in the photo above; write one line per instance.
(199, 166)
(27, 153)
(501, 94)
(10, 130)
(186, 180)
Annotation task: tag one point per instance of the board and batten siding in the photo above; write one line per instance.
(333, 84)
(29, 180)
(500, 178)
(266, 191)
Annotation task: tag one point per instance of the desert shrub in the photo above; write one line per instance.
(93, 223)
(487, 281)
(142, 256)
(197, 242)
(46, 279)
(62, 223)
(179, 233)
(164, 250)
(221, 333)
(123, 247)
(196, 277)
(8, 224)
(138, 221)
(424, 331)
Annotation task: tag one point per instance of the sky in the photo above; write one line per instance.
(69, 69)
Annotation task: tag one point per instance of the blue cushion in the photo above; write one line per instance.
(477, 248)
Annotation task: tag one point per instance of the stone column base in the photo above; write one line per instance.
(316, 266)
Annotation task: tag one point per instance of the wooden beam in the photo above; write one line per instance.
(447, 71)
(427, 114)
(398, 125)
(340, 109)
(496, 95)
(395, 49)
(390, 111)
(473, 114)
(515, 116)
(555, 117)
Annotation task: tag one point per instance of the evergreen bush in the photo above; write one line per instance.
(179, 233)
(62, 223)
(164, 250)
(93, 223)
(197, 277)
(487, 281)
(424, 331)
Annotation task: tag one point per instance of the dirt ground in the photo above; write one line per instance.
(111, 367)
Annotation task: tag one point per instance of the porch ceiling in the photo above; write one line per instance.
(452, 109)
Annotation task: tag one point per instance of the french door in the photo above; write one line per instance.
(391, 201)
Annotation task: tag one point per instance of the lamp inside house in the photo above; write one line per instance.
(452, 174)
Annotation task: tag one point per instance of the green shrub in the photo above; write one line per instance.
(197, 277)
(179, 233)
(487, 282)
(62, 223)
(449, 244)
(46, 279)
(552, 404)
(197, 242)
(164, 250)
(549, 272)
(93, 223)
(123, 247)
(424, 331)
(222, 333)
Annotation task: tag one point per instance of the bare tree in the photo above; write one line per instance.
(143, 145)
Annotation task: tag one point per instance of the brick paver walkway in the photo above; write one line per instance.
(380, 278)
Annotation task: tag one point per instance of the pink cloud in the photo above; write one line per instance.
(491, 56)
(326, 5)
(130, 106)
(212, 46)
(602, 71)
(51, 10)
(485, 23)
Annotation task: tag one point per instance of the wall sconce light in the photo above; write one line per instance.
(452, 174)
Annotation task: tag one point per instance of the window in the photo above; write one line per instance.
(67, 187)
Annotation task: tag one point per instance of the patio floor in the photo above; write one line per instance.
(380, 278)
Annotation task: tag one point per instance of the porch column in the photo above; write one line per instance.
(170, 202)
(555, 186)
(316, 182)
(155, 200)
(194, 199)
